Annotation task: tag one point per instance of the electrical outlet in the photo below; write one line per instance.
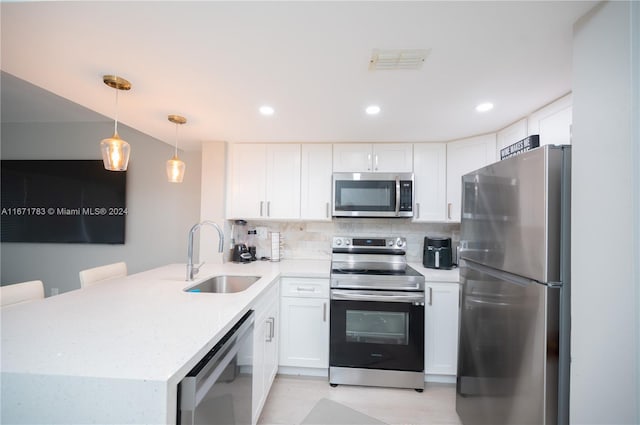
(54, 291)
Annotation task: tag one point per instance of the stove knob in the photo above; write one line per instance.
(347, 242)
(338, 242)
(390, 243)
(400, 243)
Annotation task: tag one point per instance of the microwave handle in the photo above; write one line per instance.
(397, 195)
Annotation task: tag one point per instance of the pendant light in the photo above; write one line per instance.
(115, 151)
(175, 167)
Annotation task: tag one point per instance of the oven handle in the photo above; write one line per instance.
(411, 298)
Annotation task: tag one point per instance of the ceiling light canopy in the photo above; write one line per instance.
(176, 167)
(115, 151)
(484, 107)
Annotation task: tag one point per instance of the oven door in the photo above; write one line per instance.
(377, 330)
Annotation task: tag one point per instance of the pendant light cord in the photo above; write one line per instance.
(176, 151)
(116, 120)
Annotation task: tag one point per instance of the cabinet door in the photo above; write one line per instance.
(265, 348)
(430, 170)
(441, 327)
(510, 135)
(393, 157)
(553, 122)
(247, 174)
(315, 182)
(463, 157)
(272, 345)
(352, 157)
(304, 332)
(283, 181)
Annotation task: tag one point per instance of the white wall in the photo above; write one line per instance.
(160, 213)
(605, 218)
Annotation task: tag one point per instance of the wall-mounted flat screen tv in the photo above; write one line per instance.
(62, 201)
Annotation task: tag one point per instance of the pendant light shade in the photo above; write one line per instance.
(175, 167)
(115, 151)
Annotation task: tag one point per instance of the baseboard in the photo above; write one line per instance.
(442, 379)
(304, 371)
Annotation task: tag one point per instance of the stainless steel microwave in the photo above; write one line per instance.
(373, 194)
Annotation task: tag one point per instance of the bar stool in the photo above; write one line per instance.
(95, 275)
(18, 293)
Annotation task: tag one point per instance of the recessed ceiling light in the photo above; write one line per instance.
(484, 107)
(266, 110)
(372, 110)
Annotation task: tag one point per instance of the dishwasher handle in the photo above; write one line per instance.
(198, 382)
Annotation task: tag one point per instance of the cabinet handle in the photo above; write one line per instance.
(324, 312)
(268, 208)
(261, 205)
(369, 162)
(376, 166)
(449, 210)
(417, 209)
(430, 296)
(327, 210)
(272, 325)
(303, 289)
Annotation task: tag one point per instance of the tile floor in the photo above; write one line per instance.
(291, 398)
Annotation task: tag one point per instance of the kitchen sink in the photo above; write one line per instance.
(224, 284)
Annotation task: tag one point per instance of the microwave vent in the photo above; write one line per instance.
(392, 59)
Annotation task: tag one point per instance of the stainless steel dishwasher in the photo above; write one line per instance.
(218, 389)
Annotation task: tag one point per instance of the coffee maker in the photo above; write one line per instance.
(240, 252)
(437, 253)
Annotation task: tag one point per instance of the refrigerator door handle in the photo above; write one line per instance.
(499, 274)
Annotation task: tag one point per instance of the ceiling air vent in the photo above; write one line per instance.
(397, 59)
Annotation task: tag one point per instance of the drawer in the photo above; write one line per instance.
(304, 287)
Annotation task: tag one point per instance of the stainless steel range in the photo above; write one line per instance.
(377, 314)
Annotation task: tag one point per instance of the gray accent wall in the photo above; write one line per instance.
(159, 213)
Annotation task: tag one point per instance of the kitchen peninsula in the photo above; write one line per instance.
(115, 352)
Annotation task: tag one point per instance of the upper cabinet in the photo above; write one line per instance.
(264, 181)
(510, 135)
(553, 122)
(464, 156)
(377, 157)
(430, 172)
(315, 182)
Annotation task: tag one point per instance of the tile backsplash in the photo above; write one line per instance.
(312, 240)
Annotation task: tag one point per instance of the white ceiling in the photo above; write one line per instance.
(217, 62)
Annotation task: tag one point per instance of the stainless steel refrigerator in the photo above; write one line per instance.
(513, 358)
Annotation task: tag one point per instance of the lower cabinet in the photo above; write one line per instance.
(265, 349)
(441, 328)
(304, 324)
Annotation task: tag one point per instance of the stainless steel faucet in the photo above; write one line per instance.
(191, 269)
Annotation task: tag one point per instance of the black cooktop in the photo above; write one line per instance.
(409, 271)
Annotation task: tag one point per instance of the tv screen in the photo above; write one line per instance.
(62, 201)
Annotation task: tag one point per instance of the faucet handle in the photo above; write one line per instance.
(196, 269)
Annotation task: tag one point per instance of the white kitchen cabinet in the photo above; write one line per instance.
(430, 174)
(553, 122)
(304, 327)
(264, 181)
(265, 348)
(315, 182)
(510, 135)
(441, 328)
(464, 156)
(376, 157)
